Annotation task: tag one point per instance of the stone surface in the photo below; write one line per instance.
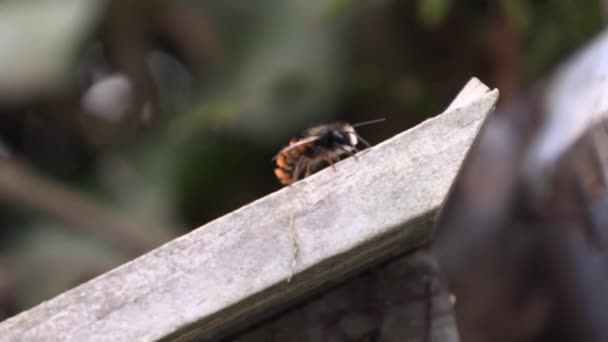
(236, 270)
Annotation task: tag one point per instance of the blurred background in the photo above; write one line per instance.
(124, 124)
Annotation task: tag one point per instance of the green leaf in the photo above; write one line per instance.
(432, 12)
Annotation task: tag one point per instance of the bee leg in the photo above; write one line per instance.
(352, 152)
(314, 166)
(331, 162)
(298, 169)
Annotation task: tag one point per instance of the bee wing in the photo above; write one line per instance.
(300, 142)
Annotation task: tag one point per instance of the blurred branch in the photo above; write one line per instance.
(127, 32)
(195, 35)
(134, 29)
(21, 185)
(505, 48)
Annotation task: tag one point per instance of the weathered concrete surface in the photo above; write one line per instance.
(234, 270)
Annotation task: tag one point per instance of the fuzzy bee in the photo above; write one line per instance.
(317, 148)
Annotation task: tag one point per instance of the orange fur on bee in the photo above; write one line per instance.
(283, 176)
(285, 163)
(282, 162)
(317, 148)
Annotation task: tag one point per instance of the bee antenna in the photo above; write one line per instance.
(362, 140)
(368, 122)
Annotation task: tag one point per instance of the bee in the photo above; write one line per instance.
(317, 148)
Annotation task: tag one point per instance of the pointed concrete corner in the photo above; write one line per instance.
(250, 263)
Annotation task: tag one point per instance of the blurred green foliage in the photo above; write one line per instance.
(432, 12)
(38, 41)
(171, 111)
(555, 29)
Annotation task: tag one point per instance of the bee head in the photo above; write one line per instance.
(339, 134)
(344, 136)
